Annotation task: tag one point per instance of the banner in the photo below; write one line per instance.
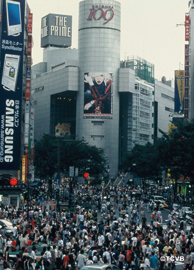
(179, 90)
(11, 82)
(98, 98)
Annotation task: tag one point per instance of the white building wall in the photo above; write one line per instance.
(164, 95)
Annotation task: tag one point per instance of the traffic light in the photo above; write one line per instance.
(7, 180)
(13, 182)
(86, 175)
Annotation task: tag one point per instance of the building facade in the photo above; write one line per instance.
(91, 94)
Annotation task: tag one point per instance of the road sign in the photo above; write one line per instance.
(71, 171)
(76, 172)
(43, 199)
(102, 183)
(57, 181)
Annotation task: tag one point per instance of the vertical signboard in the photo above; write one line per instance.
(24, 169)
(186, 97)
(179, 90)
(187, 27)
(30, 15)
(11, 74)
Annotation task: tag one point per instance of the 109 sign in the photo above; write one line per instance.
(101, 12)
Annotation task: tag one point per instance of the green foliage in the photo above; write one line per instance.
(174, 151)
(143, 160)
(72, 153)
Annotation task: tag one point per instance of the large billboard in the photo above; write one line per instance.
(179, 90)
(98, 97)
(11, 81)
(56, 30)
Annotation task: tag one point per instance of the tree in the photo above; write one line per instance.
(173, 151)
(144, 161)
(72, 153)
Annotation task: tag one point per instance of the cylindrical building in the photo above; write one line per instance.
(99, 60)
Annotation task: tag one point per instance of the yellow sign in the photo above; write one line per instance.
(24, 169)
(63, 129)
(180, 77)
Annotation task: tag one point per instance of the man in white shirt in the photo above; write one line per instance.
(100, 240)
(147, 262)
(134, 240)
(107, 254)
(14, 230)
(148, 250)
(48, 255)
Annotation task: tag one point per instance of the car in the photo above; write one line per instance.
(187, 211)
(175, 206)
(100, 266)
(39, 249)
(156, 197)
(5, 227)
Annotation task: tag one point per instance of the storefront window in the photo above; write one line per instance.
(13, 201)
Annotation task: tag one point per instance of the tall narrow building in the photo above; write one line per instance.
(191, 62)
(99, 62)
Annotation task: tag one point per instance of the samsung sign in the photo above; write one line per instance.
(56, 30)
(11, 82)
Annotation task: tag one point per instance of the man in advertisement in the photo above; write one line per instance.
(97, 95)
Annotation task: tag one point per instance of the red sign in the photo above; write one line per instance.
(98, 12)
(30, 15)
(28, 90)
(29, 45)
(187, 27)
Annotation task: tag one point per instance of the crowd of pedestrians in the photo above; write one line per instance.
(115, 232)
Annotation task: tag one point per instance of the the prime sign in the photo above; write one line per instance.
(56, 30)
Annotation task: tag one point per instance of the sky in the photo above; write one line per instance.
(148, 30)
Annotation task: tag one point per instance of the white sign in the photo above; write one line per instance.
(71, 171)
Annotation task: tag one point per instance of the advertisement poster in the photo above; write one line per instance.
(179, 90)
(98, 96)
(63, 130)
(11, 83)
